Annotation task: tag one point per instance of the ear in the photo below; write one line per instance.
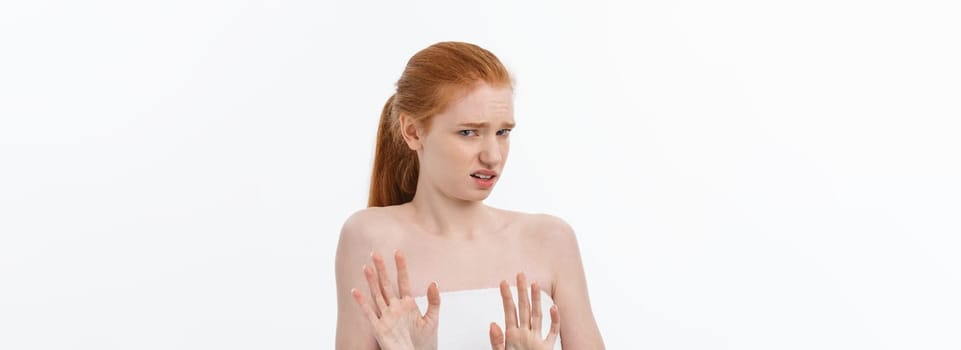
(410, 131)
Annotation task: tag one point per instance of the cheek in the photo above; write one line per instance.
(449, 156)
(459, 154)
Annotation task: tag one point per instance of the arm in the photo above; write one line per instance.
(353, 329)
(578, 327)
(387, 317)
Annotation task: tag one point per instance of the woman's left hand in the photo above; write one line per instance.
(523, 333)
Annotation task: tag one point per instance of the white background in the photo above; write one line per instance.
(741, 174)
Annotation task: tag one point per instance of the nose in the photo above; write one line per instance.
(490, 154)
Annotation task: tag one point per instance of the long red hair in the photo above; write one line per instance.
(432, 78)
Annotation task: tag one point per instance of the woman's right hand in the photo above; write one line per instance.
(396, 320)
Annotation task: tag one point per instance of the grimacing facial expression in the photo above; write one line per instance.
(463, 153)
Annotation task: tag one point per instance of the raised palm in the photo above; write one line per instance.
(396, 319)
(523, 328)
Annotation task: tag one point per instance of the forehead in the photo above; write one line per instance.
(482, 104)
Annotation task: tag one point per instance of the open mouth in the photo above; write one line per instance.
(482, 177)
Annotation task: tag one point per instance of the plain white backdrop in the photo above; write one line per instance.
(740, 174)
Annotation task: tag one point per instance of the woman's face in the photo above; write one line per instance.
(463, 154)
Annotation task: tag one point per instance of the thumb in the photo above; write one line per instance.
(433, 302)
(497, 337)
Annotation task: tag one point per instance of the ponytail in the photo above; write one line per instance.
(395, 165)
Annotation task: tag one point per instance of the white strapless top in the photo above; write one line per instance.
(466, 315)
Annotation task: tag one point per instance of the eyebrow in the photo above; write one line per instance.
(509, 125)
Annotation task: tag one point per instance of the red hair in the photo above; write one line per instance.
(431, 80)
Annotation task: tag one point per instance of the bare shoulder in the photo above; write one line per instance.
(354, 238)
(554, 240)
(552, 225)
(543, 231)
(370, 217)
(358, 237)
(364, 229)
(547, 229)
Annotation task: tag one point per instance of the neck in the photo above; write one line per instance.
(448, 217)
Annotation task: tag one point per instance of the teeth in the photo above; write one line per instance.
(485, 177)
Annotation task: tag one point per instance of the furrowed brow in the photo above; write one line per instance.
(509, 125)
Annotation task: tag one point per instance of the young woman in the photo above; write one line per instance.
(442, 144)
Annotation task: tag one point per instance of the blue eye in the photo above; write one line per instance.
(504, 132)
(467, 132)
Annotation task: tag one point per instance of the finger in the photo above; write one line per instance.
(403, 281)
(433, 303)
(523, 302)
(374, 290)
(536, 317)
(386, 286)
(555, 325)
(510, 313)
(359, 297)
(497, 337)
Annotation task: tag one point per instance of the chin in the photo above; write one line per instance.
(476, 197)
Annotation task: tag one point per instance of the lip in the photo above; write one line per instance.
(485, 172)
(485, 184)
